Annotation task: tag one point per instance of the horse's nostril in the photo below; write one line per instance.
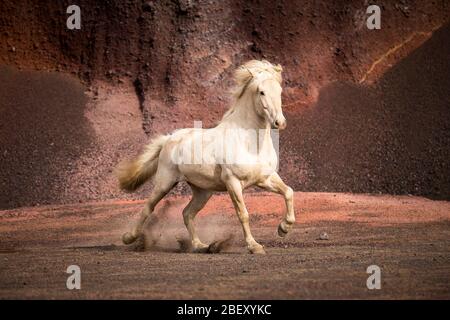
(277, 124)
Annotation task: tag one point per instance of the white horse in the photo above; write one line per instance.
(196, 156)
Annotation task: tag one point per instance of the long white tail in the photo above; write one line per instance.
(133, 173)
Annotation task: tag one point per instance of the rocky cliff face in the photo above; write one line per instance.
(367, 109)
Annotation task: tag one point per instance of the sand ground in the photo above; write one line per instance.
(407, 237)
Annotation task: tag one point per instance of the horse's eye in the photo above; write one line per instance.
(262, 93)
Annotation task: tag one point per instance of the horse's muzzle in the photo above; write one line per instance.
(279, 124)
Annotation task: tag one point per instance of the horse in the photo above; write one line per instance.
(196, 156)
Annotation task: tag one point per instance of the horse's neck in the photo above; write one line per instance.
(244, 117)
(265, 144)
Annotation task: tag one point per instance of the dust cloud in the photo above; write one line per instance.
(165, 230)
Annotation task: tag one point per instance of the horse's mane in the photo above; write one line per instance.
(246, 73)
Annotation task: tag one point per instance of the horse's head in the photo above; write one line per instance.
(267, 101)
(262, 81)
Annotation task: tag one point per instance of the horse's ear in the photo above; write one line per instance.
(251, 73)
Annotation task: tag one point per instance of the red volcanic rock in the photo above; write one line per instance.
(367, 109)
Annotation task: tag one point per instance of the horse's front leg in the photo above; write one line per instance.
(235, 190)
(274, 184)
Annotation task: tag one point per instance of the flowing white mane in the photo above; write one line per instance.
(251, 70)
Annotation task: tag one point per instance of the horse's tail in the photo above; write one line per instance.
(133, 173)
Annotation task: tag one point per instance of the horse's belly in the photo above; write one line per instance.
(203, 176)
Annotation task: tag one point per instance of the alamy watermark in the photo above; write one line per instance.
(374, 280)
(374, 20)
(74, 280)
(74, 20)
(227, 146)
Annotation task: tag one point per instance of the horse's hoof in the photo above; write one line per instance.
(220, 245)
(200, 248)
(128, 238)
(140, 244)
(257, 250)
(281, 232)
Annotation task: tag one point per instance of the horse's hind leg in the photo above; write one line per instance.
(164, 181)
(199, 198)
